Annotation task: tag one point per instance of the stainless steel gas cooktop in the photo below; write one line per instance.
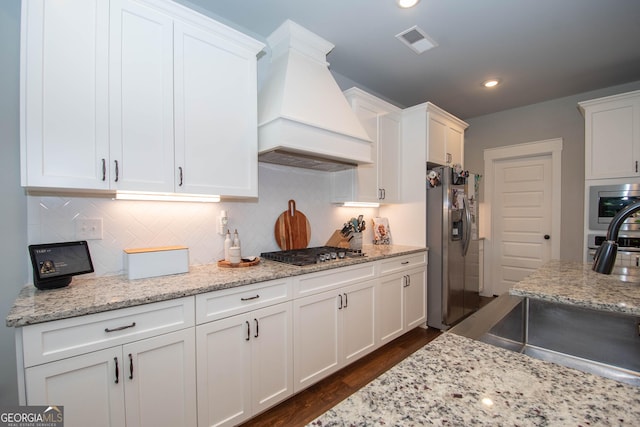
(309, 256)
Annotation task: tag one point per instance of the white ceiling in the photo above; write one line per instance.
(541, 49)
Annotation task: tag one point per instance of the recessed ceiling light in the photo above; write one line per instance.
(405, 4)
(491, 83)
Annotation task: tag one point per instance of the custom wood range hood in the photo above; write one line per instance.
(304, 120)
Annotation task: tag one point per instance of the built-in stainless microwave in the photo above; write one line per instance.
(605, 201)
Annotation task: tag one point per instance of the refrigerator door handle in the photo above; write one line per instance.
(467, 226)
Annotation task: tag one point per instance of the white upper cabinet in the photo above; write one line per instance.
(442, 132)
(216, 113)
(141, 98)
(612, 136)
(140, 95)
(64, 129)
(380, 180)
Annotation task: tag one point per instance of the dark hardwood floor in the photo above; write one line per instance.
(312, 402)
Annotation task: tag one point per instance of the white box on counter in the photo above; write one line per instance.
(153, 262)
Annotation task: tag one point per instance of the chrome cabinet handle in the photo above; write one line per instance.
(115, 359)
(249, 298)
(120, 328)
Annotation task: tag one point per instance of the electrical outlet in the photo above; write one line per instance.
(89, 228)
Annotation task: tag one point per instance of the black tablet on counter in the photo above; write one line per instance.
(54, 264)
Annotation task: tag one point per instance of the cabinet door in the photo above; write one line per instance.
(90, 387)
(159, 376)
(141, 98)
(64, 94)
(358, 320)
(455, 146)
(610, 148)
(216, 114)
(316, 342)
(223, 362)
(415, 298)
(390, 307)
(367, 174)
(271, 355)
(437, 140)
(388, 162)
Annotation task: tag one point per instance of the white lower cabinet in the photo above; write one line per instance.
(401, 303)
(332, 329)
(150, 382)
(245, 364)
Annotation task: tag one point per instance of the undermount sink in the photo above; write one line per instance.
(602, 343)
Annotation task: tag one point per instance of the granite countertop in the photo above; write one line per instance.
(88, 295)
(455, 380)
(574, 283)
(458, 381)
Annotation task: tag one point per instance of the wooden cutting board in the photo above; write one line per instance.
(292, 230)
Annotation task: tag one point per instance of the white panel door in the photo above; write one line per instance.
(90, 387)
(224, 371)
(159, 376)
(141, 98)
(358, 320)
(389, 138)
(521, 219)
(271, 355)
(64, 93)
(215, 114)
(316, 338)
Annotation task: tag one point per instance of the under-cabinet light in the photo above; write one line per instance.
(361, 205)
(167, 197)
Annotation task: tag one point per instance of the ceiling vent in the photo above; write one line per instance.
(416, 39)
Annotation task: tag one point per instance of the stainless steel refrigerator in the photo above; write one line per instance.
(452, 238)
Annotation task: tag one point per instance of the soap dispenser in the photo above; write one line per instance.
(227, 244)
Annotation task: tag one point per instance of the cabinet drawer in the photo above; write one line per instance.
(401, 263)
(219, 304)
(330, 279)
(45, 342)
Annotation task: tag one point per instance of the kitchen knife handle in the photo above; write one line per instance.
(115, 359)
(130, 366)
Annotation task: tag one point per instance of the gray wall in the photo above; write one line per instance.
(13, 209)
(559, 118)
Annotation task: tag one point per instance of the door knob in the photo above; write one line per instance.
(547, 237)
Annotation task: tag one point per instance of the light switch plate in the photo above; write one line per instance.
(89, 228)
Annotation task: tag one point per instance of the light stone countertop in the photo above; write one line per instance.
(448, 381)
(574, 283)
(88, 295)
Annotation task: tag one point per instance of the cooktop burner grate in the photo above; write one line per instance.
(309, 256)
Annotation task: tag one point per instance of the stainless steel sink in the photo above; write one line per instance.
(603, 343)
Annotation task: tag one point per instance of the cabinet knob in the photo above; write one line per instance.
(547, 237)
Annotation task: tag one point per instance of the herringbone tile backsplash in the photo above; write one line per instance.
(133, 224)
